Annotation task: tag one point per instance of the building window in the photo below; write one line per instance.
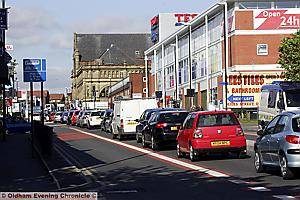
(286, 4)
(213, 96)
(255, 5)
(262, 49)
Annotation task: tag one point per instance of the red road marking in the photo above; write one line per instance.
(73, 136)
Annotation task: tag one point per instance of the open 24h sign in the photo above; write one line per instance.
(34, 70)
(277, 19)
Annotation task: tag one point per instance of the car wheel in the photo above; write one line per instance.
(137, 137)
(144, 141)
(88, 126)
(193, 157)
(154, 145)
(258, 163)
(285, 170)
(179, 153)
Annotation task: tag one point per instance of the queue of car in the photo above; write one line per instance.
(195, 134)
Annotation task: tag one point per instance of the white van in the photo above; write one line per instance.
(278, 97)
(126, 114)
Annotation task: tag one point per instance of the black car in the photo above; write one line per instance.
(162, 128)
(144, 119)
(105, 117)
(70, 113)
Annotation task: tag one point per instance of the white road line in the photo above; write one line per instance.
(284, 197)
(260, 189)
(156, 155)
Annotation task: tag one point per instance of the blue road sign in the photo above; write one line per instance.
(241, 98)
(223, 83)
(34, 70)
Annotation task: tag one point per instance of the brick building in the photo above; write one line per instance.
(211, 55)
(134, 86)
(101, 60)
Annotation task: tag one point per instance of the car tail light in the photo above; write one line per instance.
(122, 123)
(198, 133)
(161, 125)
(293, 139)
(239, 131)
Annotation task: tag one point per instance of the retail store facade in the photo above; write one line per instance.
(237, 55)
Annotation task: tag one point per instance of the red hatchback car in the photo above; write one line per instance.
(74, 117)
(210, 132)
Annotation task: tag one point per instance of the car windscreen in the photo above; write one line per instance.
(217, 120)
(96, 114)
(172, 117)
(292, 98)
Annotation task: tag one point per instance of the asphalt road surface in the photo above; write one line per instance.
(125, 170)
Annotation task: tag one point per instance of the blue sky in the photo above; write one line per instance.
(44, 28)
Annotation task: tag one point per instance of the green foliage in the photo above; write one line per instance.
(289, 57)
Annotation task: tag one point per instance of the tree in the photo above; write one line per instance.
(289, 57)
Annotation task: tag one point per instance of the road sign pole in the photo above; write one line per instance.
(31, 118)
(3, 86)
(42, 103)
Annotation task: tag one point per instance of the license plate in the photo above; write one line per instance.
(131, 123)
(220, 143)
(174, 128)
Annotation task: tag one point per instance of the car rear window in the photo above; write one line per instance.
(217, 120)
(296, 124)
(96, 114)
(173, 117)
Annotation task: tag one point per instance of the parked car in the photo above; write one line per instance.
(162, 128)
(144, 119)
(278, 144)
(70, 114)
(74, 117)
(52, 116)
(57, 117)
(64, 117)
(105, 117)
(78, 118)
(107, 125)
(83, 118)
(94, 119)
(211, 132)
(126, 112)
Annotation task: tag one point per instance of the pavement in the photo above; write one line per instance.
(19, 171)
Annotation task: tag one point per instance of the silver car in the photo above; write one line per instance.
(83, 118)
(278, 144)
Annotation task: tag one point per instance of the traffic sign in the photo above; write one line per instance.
(223, 83)
(34, 70)
(241, 98)
(3, 18)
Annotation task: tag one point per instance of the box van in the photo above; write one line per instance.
(126, 114)
(278, 97)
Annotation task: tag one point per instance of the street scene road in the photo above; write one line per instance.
(149, 100)
(125, 170)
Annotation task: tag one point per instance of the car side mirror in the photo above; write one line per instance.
(260, 132)
(262, 124)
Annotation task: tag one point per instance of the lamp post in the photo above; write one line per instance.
(175, 72)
